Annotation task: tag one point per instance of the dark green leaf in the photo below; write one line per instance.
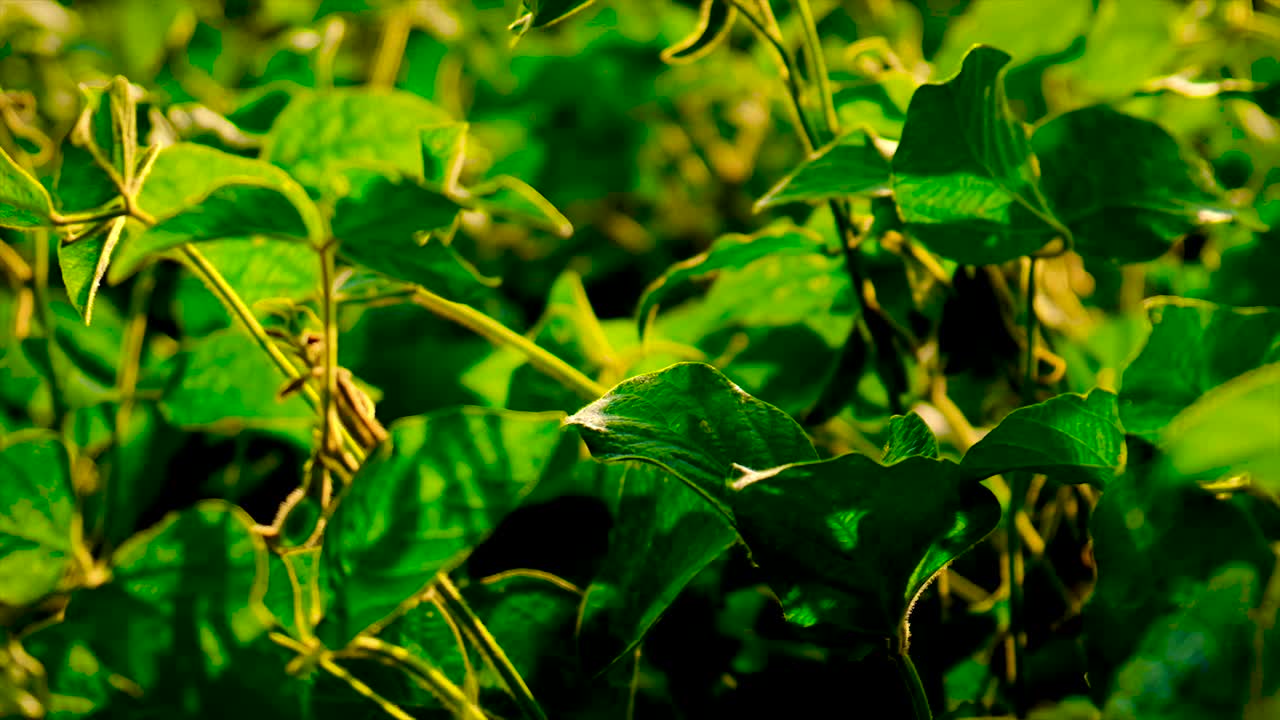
(84, 263)
(295, 586)
(909, 435)
(443, 151)
(426, 498)
(1131, 195)
(664, 536)
(694, 422)
(1193, 347)
(964, 176)
(24, 203)
(715, 22)
(850, 165)
(1071, 438)
(35, 522)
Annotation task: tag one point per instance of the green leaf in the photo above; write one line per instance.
(300, 566)
(24, 203)
(695, 423)
(319, 134)
(964, 176)
(851, 543)
(1128, 43)
(715, 22)
(426, 498)
(1233, 427)
(444, 147)
(541, 13)
(1193, 347)
(1131, 195)
(909, 436)
(510, 198)
(83, 358)
(850, 165)
(665, 535)
(185, 173)
(258, 269)
(224, 383)
(1004, 23)
(729, 252)
(84, 263)
(1072, 438)
(35, 523)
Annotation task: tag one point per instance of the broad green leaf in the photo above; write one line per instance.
(851, 543)
(320, 133)
(1233, 427)
(1131, 195)
(665, 534)
(84, 263)
(1071, 438)
(1004, 23)
(541, 13)
(510, 198)
(78, 684)
(225, 383)
(426, 498)
(1193, 347)
(295, 586)
(715, 22)
(1128, 43)
(35, 522)
(909, 435)
(850, 165)
(258, 269)
(728, 253)
(235, 210)
(24, 203)
(879, 106)
(83, 359)
(533, 621)
(963, 175)
(695, 423)
(444, 147)
(185, 173)
(79, 183)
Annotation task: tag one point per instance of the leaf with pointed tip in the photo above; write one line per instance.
(851, 543)
(715, 22)
(694, 422)
(1194, 347)
(850, 165)
(909, 435)
(1131, 195)
(24, 203)
(730, 252)
(964, 176)
(426, 498)
(1072, 438)
(37, 509)
(510, 198)
(84, 263)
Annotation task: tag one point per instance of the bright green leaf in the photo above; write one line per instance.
(1071, 438)
(24, 203)
(694, 422)
(426, 498)
(185, 173)
(715, 22)
(964, 176)
(510, 198)
(84, 263)
(35, 522)
(1193, 347)
(909, 435)
(1004, 23)
(850, 165)
(1131, 195)
(443, 151)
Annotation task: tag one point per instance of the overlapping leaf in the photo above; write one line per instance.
(909, 436)
(850, 165)
(24, 203)
(38, 506)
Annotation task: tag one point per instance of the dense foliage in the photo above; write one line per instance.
(640, 359)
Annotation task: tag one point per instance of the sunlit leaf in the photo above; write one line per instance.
(24, 203)
(35, 523)
(850, 165)
(512, 199)
(1004, 23)
(909, 436)
(84, 263)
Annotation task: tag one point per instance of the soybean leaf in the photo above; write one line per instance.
(222, 383)
(851, 543)
(83, 357)
(84, 263)
(426, 498)
(510, 198)
(1071, 438)
(665, 535)
(850, 165)
(1131, 195)
(694, 422)
(35, 523)
(1234, 427)
(184, 173)
(79, 183)
(1003, 24)
(728, 253)
(258, 269)
(715, 22)
(533, 621)
(964, 176)
(319, 133)
(909, 435)
(443, 150)
(1128, 43)
(1193, 347)
(300, 566)
(24, 203)
(234, 210)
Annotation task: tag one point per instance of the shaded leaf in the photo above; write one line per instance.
(24, 203)
(84, 263)
(35, 522)
(909, 435)
(715, 22)
(1193, 347)
(963, 175)
(443, 151)
(1131, 195)
(850, 165)
(426, 498)
(1071, 438)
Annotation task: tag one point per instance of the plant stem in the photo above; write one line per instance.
(488, 645)
(329, 363)
(449, 694)
(496, 332)
(361, 687)
(1019, 482)
(818, 65)
(911, 680)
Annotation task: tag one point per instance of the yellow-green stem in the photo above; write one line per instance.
(449, 694)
